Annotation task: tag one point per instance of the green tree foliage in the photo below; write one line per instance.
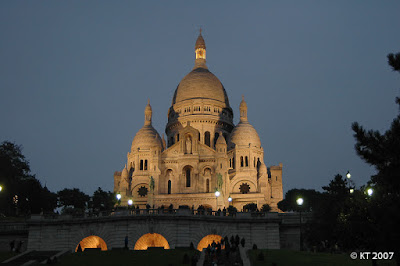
(72, 199)
(310, 196)
(102, 200)
(18, 183)
(265, 208)
(382, 150)
(250, 207)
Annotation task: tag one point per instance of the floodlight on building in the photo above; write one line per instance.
(230, 199)
(217, 193)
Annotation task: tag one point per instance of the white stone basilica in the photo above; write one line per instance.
(205, 152)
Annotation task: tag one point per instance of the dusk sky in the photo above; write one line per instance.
(75, 77)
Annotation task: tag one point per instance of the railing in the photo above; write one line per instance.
(155, 212)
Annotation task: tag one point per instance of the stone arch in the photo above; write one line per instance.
(207, 240)
(207, 138)
(188, 173)
(92, 241)
(151, 240)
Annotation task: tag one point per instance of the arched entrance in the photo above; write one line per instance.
(151, 240)
(92, 242)
(207, 240)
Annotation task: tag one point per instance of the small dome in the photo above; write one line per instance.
(146, 137)
(221, 139)
(245, 134)
(263, 169)
(200, 83)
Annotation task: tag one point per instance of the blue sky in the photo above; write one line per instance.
(75, 77)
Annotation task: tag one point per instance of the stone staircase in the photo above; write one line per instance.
(34, 257)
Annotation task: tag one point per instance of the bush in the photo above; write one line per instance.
(250, 207)
(266, 208)
(254, 247)
(260, 256)
(232, 210)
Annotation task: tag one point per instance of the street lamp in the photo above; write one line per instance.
(217, 193)
(370, 191)
(1, 188)
(351, 190)
(119, 198)
(229, 200)
(300, 202)
(348, 175)
(130, 202)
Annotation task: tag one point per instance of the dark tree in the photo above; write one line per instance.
(382, 150)
(102, 200)
(21, 193)
(72, 199)
(310, 197)
(266, 208)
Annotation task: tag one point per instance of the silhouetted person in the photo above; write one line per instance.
(19, 245)
(12, 245)
(126, 242)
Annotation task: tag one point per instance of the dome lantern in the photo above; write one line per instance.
(147, 113)
(200, 51)
(243, 110)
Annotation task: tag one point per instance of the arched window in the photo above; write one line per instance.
(207, 138)
(177, 137)
(169, 186)
(188, 177)
(208, 185)
(141, 164)
(145, 165)
(247, 161)
(216, 135)
(199, 136)
(230, 163)
(241, 161)
(233, 162)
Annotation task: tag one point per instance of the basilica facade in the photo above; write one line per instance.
(204, 152)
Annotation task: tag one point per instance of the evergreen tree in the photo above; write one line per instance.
(382, 150)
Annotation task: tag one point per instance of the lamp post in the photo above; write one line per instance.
(118, 196)
(1, 188)
(300, 202)
(230, 200)
(370, 191)
(217, 193)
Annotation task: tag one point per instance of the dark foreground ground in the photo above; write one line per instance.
(177, 257)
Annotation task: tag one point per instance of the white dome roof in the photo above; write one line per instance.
(245, 134)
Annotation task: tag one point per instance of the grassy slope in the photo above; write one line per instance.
(125, 257)
(4, 255)
(289, 258)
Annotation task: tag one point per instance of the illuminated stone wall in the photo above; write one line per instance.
(169, 231)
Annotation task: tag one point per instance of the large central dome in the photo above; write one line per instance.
(200, 83)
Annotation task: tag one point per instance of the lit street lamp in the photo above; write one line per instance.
(348, 175)
(217, 193)
(130, 202)
(1, 188)
(300, 202)
(229, 200)
(119, 198)
(370, 191)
